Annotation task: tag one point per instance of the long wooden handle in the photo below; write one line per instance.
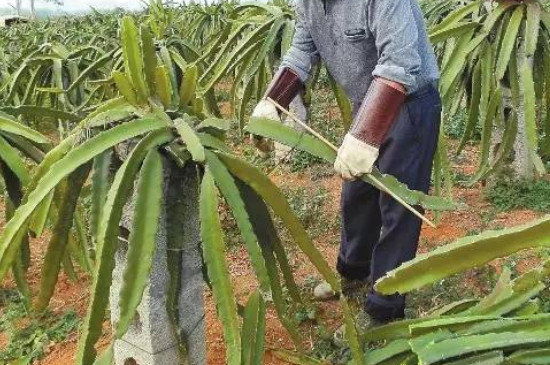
(374, 179)
(304, 125)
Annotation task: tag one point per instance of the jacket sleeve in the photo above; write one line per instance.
(302, 54)
(395, 32)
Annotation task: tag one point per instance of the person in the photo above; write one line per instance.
(378, 51)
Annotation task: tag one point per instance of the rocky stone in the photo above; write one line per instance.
(324, 291)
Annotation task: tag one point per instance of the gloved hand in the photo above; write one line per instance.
(377, 113)
(264, 109)
(355, 158)
(285, 86)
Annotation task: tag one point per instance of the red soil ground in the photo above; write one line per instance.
(452, 226)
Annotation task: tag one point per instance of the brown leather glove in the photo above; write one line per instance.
(361, 145)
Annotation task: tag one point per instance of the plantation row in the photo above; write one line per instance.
(73, 89)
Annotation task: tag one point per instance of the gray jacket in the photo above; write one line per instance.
(361, 39)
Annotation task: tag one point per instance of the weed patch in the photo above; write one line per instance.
(470, 284)
(324, 349)
(29, 337)
(508, 195)
(308, 205)
(455, 126)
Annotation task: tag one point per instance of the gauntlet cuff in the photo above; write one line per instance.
(377, 113)
(285, 86)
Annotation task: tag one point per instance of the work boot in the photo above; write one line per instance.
(355, 290)
(363, 323)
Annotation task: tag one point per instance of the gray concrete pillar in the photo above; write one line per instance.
(151, 339)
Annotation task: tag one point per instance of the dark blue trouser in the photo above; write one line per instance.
(378, 234)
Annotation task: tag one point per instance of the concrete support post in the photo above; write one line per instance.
(151, 339)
